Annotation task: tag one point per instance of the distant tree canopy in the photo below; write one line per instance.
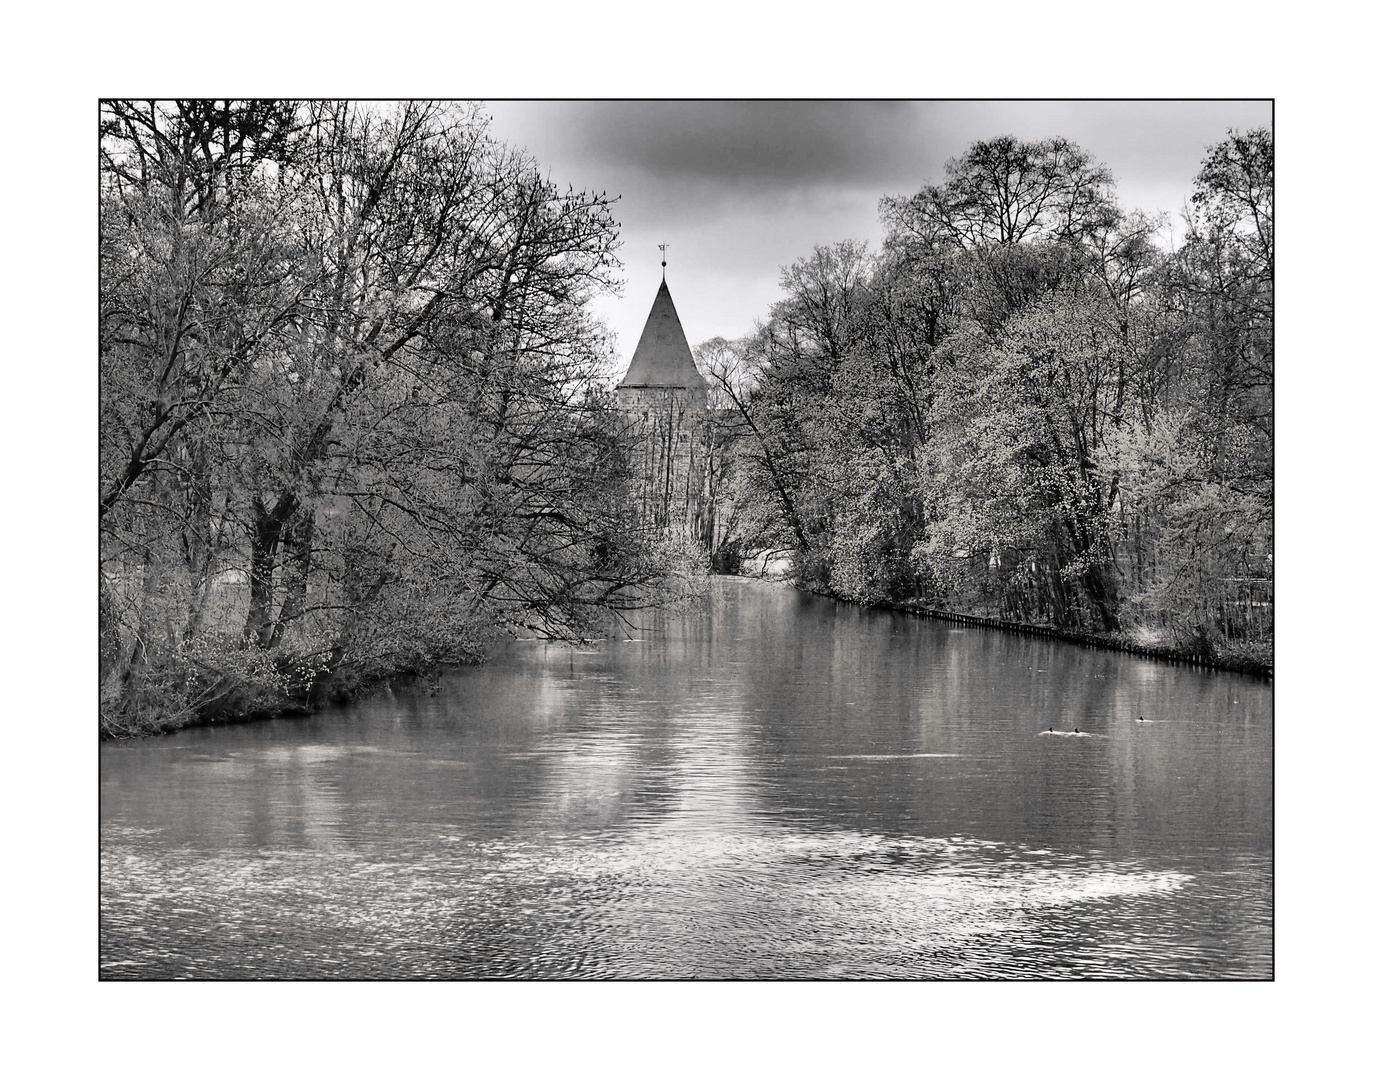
(350, 406)
(1023, 405)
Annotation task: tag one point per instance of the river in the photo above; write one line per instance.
(765, 785)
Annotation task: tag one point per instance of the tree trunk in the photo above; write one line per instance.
(297, 538)
(1099, 590)
(264, 540)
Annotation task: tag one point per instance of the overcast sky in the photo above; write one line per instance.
(739, 189)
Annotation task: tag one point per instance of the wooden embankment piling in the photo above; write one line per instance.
(1091, 641)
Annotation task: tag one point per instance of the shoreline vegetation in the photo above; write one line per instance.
(356, 419)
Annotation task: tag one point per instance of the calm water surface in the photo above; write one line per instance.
(770, 785)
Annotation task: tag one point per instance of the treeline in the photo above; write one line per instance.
(1024, 406)
(350, 413)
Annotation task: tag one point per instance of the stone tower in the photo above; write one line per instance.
(664, 398)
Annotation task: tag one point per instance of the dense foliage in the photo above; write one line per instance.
(1024, 407)
(351, 417)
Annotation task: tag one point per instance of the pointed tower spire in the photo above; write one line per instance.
(662, 358)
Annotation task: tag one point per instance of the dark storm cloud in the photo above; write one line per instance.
(894, 146)
(766, 143)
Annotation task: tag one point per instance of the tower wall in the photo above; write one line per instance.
(667, 427)
(643, 400)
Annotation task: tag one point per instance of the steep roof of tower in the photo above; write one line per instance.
(663, 357)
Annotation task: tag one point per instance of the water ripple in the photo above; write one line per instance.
(659, 903)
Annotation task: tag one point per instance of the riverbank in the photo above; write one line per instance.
(1219, 656)
(155, 714)
(164, 709)
(1219, 659)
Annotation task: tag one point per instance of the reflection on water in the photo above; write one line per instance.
(771, 785)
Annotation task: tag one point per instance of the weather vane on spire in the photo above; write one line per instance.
(663, 248)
